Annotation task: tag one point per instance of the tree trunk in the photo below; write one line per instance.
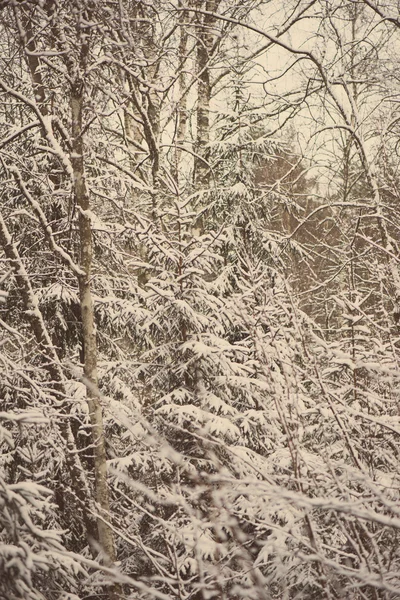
(204, 46)
(105, 535)
(204, 49)
(181, 110)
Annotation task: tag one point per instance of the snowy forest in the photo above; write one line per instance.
(199, 300)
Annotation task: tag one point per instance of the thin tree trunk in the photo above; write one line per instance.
(105, 534)
(181, 111)
(204, 43)
(204, 48)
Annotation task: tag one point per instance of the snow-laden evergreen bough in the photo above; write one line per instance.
(34, 563)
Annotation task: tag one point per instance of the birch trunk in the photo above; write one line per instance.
(105, 535)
